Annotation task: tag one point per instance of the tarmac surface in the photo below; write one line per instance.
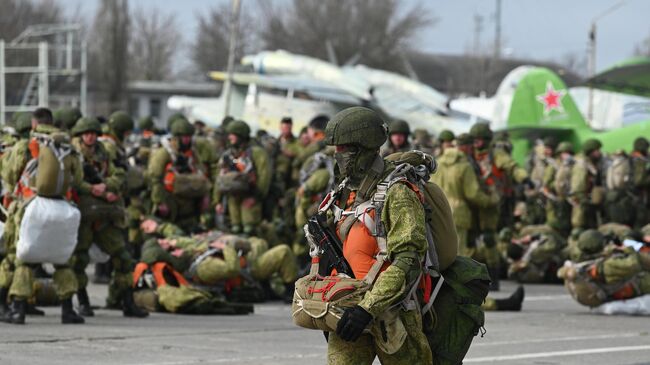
(551, 329)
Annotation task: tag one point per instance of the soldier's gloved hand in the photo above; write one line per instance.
(352, 323)
(529, 183)
(488, 239)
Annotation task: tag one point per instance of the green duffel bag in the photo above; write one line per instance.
(96, 209)
(457, 315)
(319, 302)
(234, 182)
(191, 185)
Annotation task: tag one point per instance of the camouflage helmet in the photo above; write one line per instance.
(86, 124)
(239, 128)
(464, 139)
(182, 127)
(591, 145)
(481, 130)
(564, 147)
(67, 117)
(591, 241)
(120, 123)
(641, 144)
(145, 123)
(446, 136)
(356, 126)
(399, 126)
(172, 118)
(550, 142)
(22, 122)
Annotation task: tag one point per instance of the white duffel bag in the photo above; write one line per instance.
(48, 231)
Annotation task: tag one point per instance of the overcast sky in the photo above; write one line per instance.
(537, 29)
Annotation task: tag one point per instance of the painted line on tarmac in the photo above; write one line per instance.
(546, 297)
(561, 339)
(235, 360)
(557, 353)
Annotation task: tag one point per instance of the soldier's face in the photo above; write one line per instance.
(89, 138)
(398, 139)
(595, 155)
(233, 139)
(285, 129)
(548, 151)
(186, 140)
(479, 143)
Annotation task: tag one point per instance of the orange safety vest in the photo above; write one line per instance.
(158, 270)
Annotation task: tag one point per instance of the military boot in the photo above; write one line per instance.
(85, 310)
(513, 302)
(16, 314)
(130, 309)
(4, 308)
(68, 315)
(102, 273)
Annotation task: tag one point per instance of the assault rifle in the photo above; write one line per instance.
(324, 243)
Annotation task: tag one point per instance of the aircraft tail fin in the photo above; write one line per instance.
(540, 99)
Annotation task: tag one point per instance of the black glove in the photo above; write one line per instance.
(529, 183)
(352, 323)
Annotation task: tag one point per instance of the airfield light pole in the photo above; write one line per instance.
(234, 25)
(592, 54)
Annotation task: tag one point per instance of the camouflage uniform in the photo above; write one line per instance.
(556, 186)
(244, 208)
(641, 180)
(457, 178)
(172, 159)
(404, 220)
(587, 188)
(17, 275)
(397, 127)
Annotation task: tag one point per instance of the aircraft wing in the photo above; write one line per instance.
(316, 89)
(629, 77)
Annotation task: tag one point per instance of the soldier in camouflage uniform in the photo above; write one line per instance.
(17, 276)
(556, 185)
(180, 176)
(213, 257)
(243, 180)
(601, 272)
(641, 180)
(535, 255)
(422, 141)
(587, 186)
(457, 178)
(398, 138)
(358, 133)
(540, 161)
(497, 169)
(102, 219)
(446, 140)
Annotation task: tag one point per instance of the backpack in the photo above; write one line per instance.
(48, 173)
(619, 173)
(455, 316)
(562, 183)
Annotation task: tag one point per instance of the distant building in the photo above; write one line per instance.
(149, 98)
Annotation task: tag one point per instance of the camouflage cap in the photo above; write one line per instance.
(591, 145)
(591, 241)
(481, 130)
(446, 136)
(22, 122)
(239, 128)
(550, 142)
(182, 127)
(399, 126)
(86, 124)
(564, 147)
(464, 139)
(641, 144)
(146, 123)
(120, 122)
(356, 126)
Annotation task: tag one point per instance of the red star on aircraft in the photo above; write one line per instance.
(552, 99)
